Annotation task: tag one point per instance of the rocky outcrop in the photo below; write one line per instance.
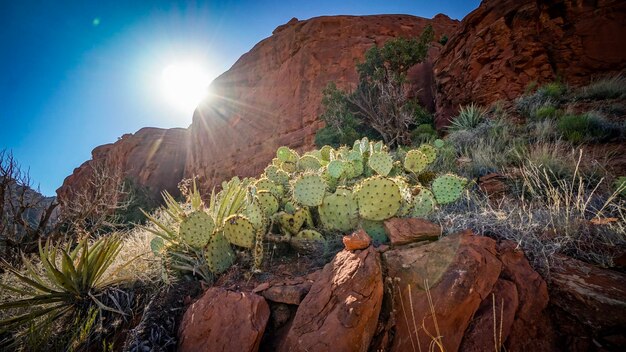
(505, 44)
(153, 158)
(340, 312)
(223, 320)
(272, 94)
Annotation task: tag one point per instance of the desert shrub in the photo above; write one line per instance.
(469, 117)
(423, 133)
(443, 40)
(606, 88)
(588, 127)
(541, 131)
(551, 94)
(380, 101)
(545, 112)
(545, 218)
(61, 293)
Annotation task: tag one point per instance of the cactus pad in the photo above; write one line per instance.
(439, 143)
(381, 162)
(309, 190)
(309, 162)
(448, 188)
(286, 154)
(218, 254)
(268, 202)
(375, 229)
(239, 231)
(264, 184)
(423, 203)
(291, 223)
(310, 235)
(288, 167)
(378, 198)
(336, 168)
(339, 211)
(415, 161)
(429, 151)
(254, 212)
(196, 229)
(325, 151)
(276, 175)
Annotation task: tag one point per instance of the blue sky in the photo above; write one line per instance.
(78, 74)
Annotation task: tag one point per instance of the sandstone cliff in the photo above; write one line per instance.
(505, 44)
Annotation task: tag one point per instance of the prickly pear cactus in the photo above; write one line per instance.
(309, 163)
(196, 229)
(268, 202)
(423, 203)
(378, 198)
(310, 235)
(254, 212)
(286, 154)
(381, 162)
(448, 188)
(415, 161)
(375, 229)
(429, 151)
(291, 223)
(407, 196)
(339, 211)
(218, 254)
(239, 231)
(288, 167)
(309, 190)
(336, 168)
(264, 184)
(326, 151)
(277, 175)
(439, 143)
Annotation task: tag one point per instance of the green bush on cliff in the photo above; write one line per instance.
(378, 106)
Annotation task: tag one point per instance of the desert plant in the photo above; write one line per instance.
(303, 201)
(620, 186)
(469, 117)
(551, 94)
(589, 127)
(380, 100)
(606, 88)
(69, 285)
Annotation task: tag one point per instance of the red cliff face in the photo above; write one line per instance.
(505, 44)
(152, 157)
(271, 96)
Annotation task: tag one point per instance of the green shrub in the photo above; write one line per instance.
(550, 94)
(606, 88)
(469, 117)
(443, 40)
(68, 289)
(588, 127)
(554, 90)
(423, 133)
(546, 112)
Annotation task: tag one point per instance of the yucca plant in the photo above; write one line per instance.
(469, 117)
(67, 286)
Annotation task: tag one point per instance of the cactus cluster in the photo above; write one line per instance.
(305, 199)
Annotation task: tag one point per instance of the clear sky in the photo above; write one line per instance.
(78, 74)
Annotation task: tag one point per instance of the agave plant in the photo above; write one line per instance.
(67, 286)
(469, 117)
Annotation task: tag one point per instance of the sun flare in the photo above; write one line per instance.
(184, 85)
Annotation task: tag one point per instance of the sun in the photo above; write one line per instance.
(185, 84)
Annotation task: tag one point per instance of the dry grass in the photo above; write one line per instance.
(550, 215)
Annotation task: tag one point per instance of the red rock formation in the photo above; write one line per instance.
(152, 157)
(271, 96)
(340, 312)
(504, 44)
(222, 320)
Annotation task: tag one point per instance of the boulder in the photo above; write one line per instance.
(340, 312)
(594, 297)
(223, 320)
(406, 230)
(458, 272)
(357, 240)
